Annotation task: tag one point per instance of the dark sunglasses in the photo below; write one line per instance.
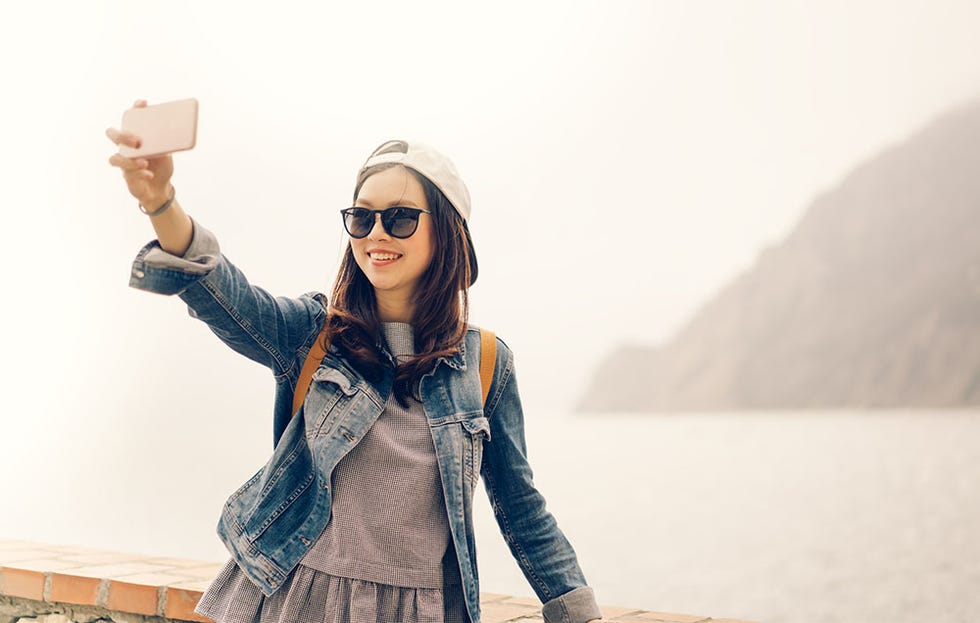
(398, 221)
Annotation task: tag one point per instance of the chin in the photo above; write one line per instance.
(384, 284)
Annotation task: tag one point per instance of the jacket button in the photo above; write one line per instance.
(138, 274)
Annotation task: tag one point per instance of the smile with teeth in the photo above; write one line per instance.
(381, 257)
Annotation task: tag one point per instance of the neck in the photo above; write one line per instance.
(394, 307)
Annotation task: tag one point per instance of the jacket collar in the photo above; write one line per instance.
(456, 360)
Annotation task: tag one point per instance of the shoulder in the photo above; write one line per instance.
(316, 301)
(315, 304)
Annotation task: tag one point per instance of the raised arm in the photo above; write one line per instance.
(186, 260)
(539, 546)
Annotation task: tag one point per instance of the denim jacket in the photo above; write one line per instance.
(272, 520)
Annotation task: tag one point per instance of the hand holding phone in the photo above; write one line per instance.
(149, 166)
(162, 128)
(147, 176)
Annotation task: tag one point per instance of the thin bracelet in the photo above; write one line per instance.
(162, 208)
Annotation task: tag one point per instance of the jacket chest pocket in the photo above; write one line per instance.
(331, 396)
(475, 432)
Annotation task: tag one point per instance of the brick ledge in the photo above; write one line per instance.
(40, 578)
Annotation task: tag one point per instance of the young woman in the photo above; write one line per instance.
(364, 511)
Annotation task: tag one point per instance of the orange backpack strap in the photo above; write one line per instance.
(317, 353)
(488, 360)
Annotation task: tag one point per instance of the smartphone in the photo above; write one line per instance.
(162, 128)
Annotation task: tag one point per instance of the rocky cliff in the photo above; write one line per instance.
(872, 301)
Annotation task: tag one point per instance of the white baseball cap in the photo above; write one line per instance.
(437, 168)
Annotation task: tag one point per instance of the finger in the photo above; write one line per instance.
(124, 163)
(123, 138)
(139, 174)
(139, 104)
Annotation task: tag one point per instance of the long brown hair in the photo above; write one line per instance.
(441, 313)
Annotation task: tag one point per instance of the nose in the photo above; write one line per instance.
(378, 230)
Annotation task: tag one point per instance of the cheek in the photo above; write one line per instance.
(427, 249)
(359, 255)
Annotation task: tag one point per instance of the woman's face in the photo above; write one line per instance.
(394, 280)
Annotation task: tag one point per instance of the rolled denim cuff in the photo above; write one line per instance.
(576, 606)
(157, 270)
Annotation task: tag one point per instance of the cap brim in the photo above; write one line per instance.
(474, 269)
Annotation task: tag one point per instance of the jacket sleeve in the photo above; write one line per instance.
(264, 328)
(539, 546)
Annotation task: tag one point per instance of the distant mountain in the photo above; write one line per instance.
(872, 301)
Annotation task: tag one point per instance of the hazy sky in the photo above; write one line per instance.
(625, 160)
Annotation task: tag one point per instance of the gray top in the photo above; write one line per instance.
(388, 518)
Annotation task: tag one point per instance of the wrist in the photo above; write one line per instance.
(156, 206)
(155, 199)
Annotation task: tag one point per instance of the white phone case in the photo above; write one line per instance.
(162, 128)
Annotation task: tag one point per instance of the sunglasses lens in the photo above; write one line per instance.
(358, 222)
(399, 222)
